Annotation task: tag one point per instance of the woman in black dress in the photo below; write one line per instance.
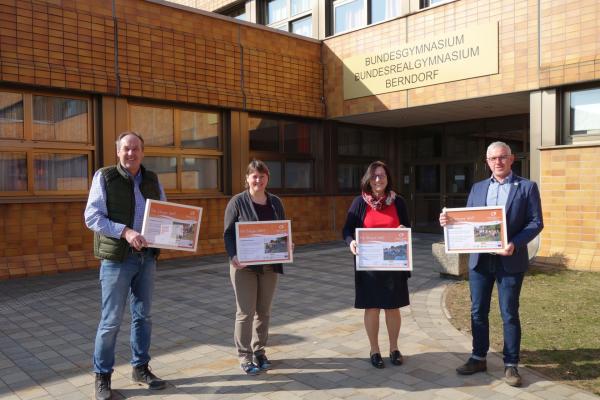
(379, 207)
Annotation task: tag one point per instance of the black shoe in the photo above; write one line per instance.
(262, 362)
(396, 357)
(377, 361)
(512, 377)
(472, 366)
(142, 375)
(102, 387)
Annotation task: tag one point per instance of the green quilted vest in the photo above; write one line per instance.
(120, 203)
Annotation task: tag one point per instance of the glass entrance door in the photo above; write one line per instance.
(439, 185)
(459, 179)
(427, 197)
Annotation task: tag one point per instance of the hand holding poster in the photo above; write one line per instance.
(384, 249)
(264, 242)
(475, 229)
(171, 226)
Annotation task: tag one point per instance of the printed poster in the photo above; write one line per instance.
(384, 249)
(264, 242)
(475, 230)
(171, 226)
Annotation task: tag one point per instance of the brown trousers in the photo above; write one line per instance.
(254, 293)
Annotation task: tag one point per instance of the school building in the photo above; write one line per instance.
(316, 88)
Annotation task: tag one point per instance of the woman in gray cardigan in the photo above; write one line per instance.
(254, 285)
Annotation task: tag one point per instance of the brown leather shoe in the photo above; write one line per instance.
(472, 366)
(512, 377)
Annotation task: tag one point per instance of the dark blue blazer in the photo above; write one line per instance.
(523, 219)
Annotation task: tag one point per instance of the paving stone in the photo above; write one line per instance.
(317, 339)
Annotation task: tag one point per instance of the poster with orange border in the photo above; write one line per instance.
(384, 249)
(171, 226)
(264, 242)
(475, 229)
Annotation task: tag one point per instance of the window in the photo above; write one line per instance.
(303, 26)
(62, 119)
(349, 175)
(429, 3)
(359, 141)
(357, 147)
(349, 14)
(11, 115)
(46, 144)
(183, 146)
(382, 10)
(353, 14)
(583, 112)
(286, 146)
(300, 6)
(276, 11)
(291, 16)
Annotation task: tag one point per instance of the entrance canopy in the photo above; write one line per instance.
(482, 107)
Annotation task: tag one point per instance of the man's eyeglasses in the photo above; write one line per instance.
(501, 158)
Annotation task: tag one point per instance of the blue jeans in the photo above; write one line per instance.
(133, 278)
(481, 283)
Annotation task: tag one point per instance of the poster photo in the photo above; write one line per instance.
(171, 226)
(384, 249)
(264, 242)
(475, 230)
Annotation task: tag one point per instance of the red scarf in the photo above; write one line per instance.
(381, 202)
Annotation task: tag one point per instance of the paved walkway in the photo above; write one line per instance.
(317, 342)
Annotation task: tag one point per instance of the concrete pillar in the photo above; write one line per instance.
(543, 129)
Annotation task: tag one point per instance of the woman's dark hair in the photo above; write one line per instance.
(256, 166)
(365, 182)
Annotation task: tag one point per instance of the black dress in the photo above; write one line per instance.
(377, 289)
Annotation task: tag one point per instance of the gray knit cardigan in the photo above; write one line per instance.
(240, 209)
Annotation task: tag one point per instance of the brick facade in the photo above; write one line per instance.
(570, 189)
(47, 238)
(568, 44)
(161, 53)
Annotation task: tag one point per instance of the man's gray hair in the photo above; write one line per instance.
(126, 133)
(498, 144)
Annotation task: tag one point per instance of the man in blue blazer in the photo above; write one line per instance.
(506, 268)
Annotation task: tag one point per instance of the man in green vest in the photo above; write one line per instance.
(115, 212)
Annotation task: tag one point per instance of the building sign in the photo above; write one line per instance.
(453, 56)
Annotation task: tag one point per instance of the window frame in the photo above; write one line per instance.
(283, 157)
(179, 152)
(287, 22)
(368, 15)
(359, 159)
(291, 24)
(30, 146)
(565, 115)
(339, 3)
(428, 3)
